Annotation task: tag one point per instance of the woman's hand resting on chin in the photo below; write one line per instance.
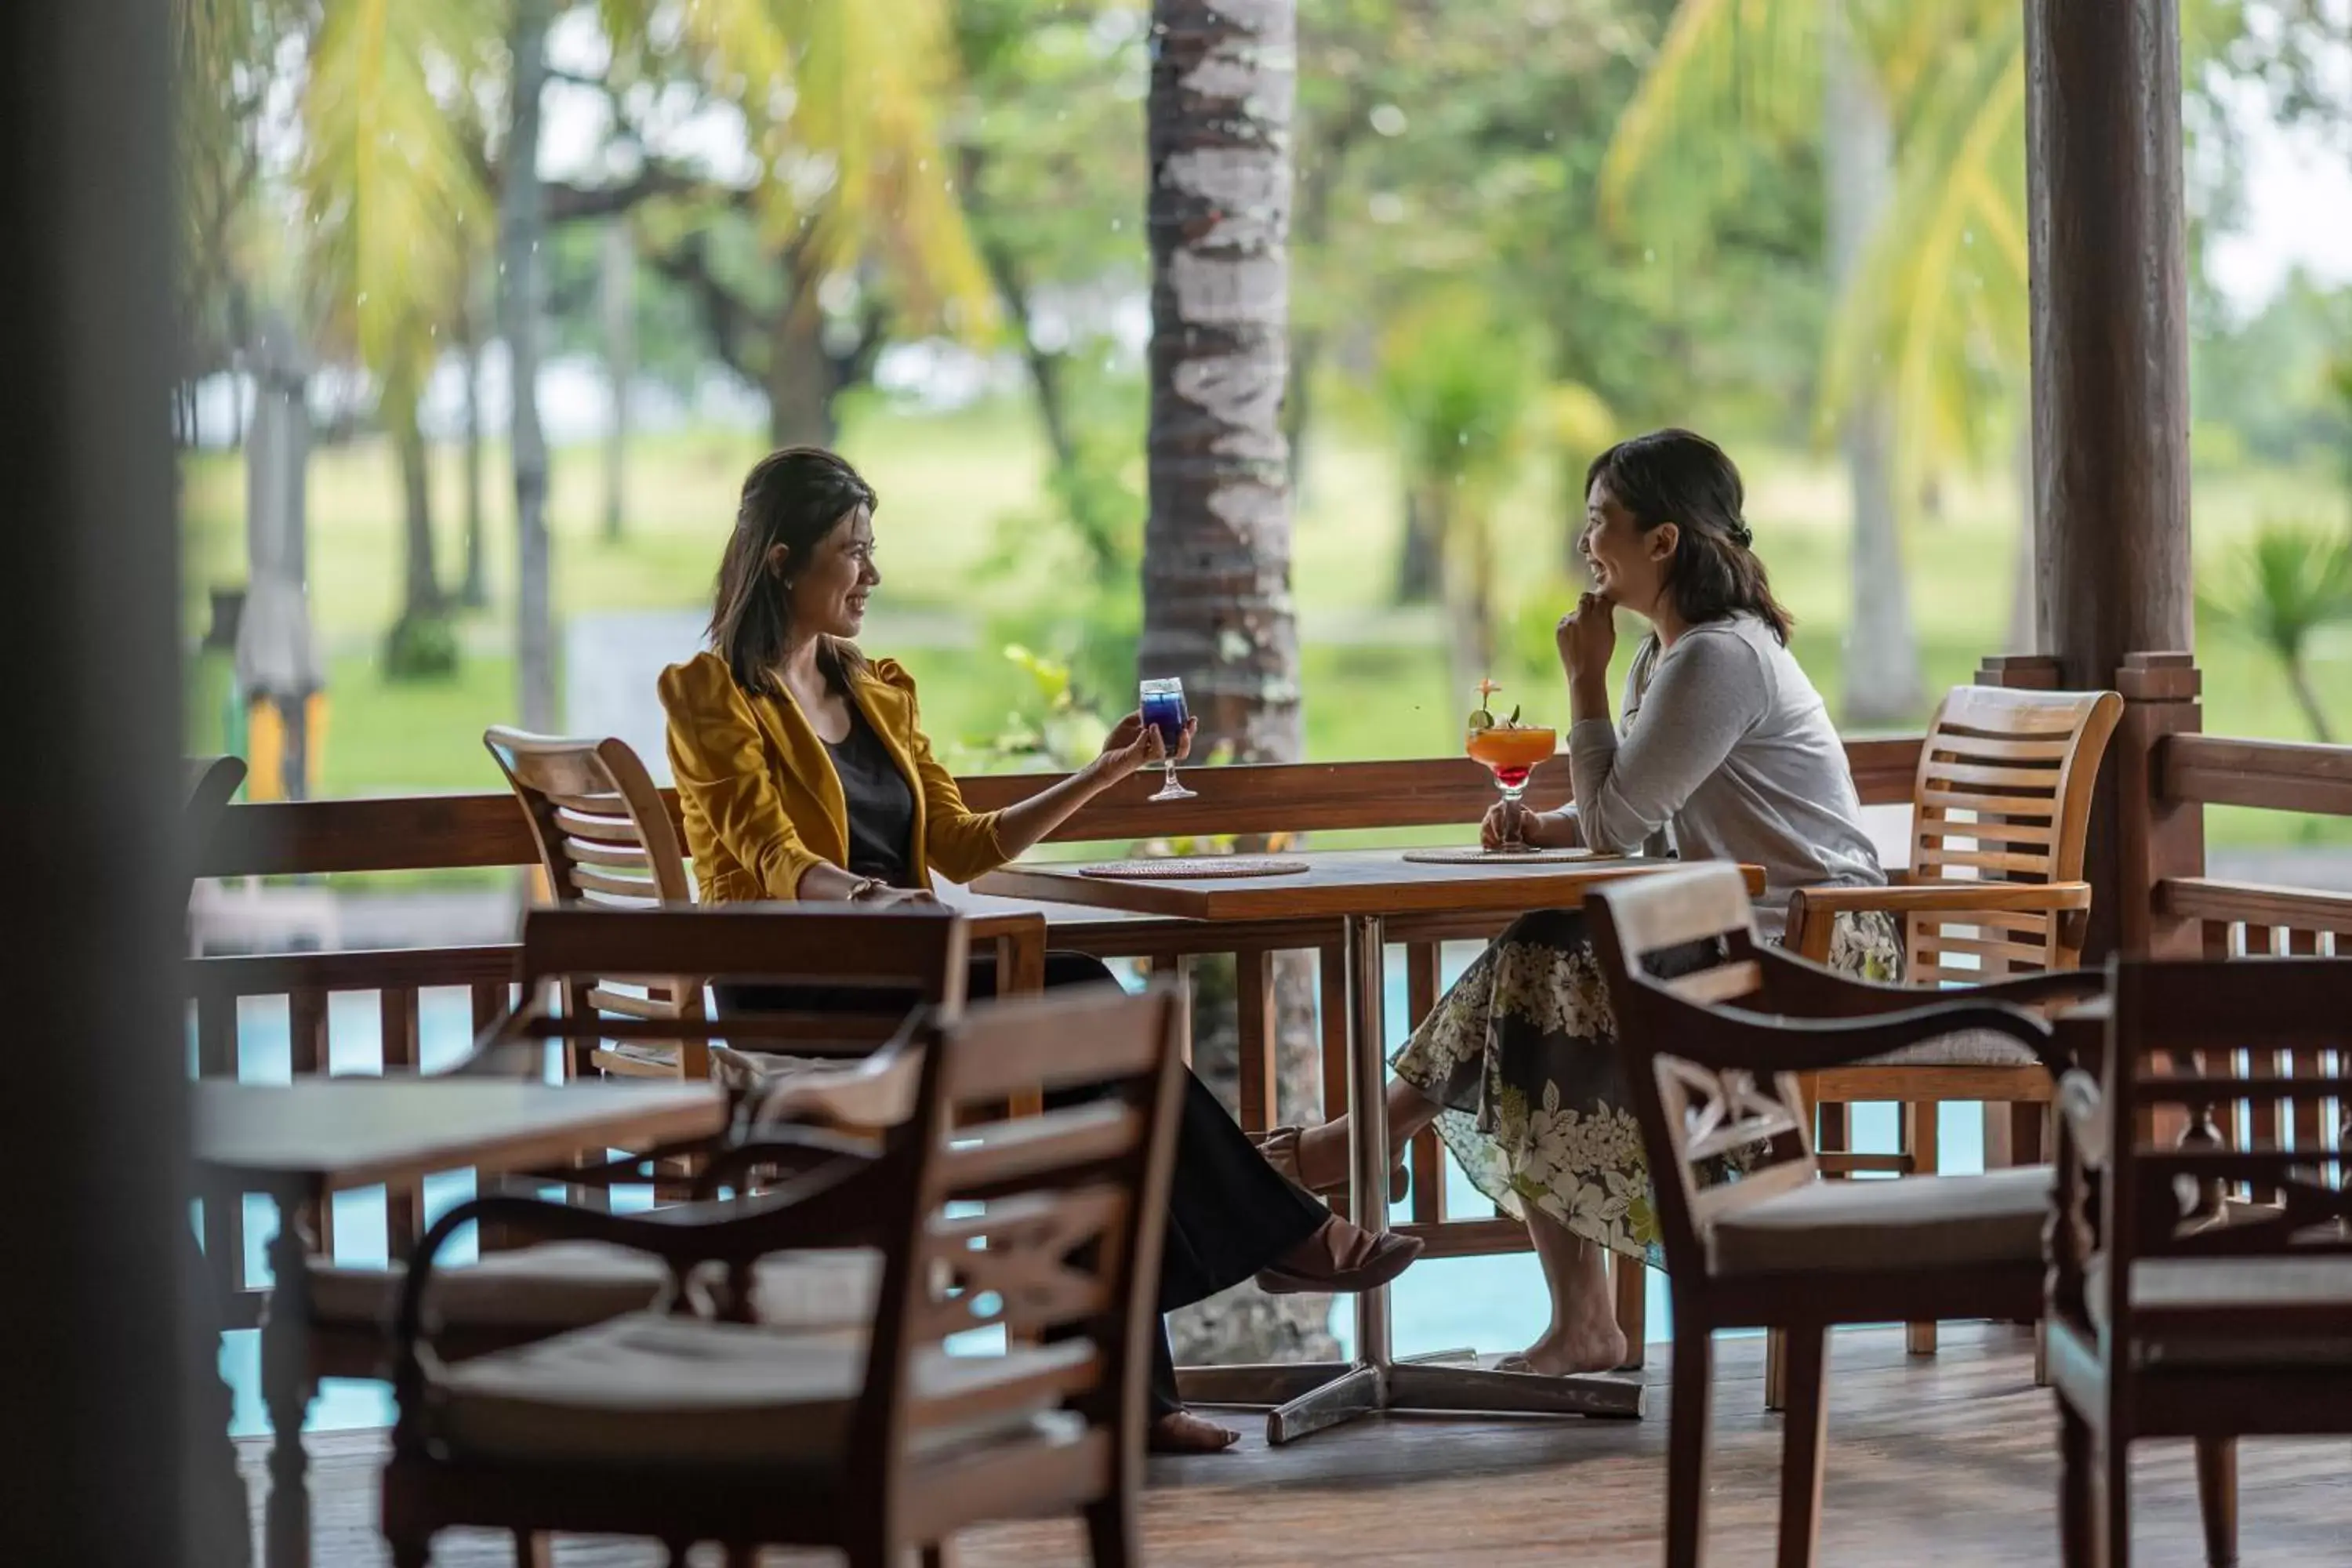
(1587, 638)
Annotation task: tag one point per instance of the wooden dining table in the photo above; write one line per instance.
(303, 1142)
(1359, 890)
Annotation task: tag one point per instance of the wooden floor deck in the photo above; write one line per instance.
(1942, 1461)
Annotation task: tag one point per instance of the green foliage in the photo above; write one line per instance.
(2286, 583)
(1050, 727)
(421, 647)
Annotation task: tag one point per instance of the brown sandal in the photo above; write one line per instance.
(1339, 1259)
(1279, 1145)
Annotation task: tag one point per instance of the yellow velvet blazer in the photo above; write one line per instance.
(761, 801)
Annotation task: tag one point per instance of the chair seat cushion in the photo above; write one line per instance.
(650, 1388)
(1969, 1048)
(562, 1285)
(1919, 1221)
(2242, 1289)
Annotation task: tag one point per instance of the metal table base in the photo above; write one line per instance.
(1312, 1396)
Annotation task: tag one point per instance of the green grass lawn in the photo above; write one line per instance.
(953, 488)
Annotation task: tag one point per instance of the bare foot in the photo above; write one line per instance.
(1601, 1348)
(1181, 1431)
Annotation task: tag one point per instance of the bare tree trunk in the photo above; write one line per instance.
(800, 380)
(1421, 555)
(475, 591)
(522, 223)
(617, 296)
(420, 577)
(1467, 568)
(1217, 608)
(1883, 683)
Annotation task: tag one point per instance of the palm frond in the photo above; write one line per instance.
(390, 191)
(1727, 73)
(1939, 310)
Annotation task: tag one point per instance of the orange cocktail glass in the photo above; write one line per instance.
(1511, 754)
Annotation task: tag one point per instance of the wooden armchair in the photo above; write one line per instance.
(2201, 1285)
(1715, 1027)
(2000, 812)
(686, 1427)
(512, 1297)
(606, 841)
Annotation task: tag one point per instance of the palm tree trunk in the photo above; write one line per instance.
(1883, 683)
(1217, 608)
(1421, 554)
(474, 591)
(617, 298)
(522, 225)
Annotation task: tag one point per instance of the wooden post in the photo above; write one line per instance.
(2159, 837)
(2108, 260)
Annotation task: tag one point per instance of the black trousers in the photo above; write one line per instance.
(1229, 1214)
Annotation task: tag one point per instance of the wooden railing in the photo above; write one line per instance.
(486, 830)
(2243, 920)
(434, 832)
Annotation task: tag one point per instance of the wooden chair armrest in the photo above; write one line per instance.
(790, 1151)
(2085, 1110)
(831, 1206)
(1734, 1039)
(1812, 911)
(1804, 988)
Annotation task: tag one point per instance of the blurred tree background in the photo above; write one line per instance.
(1517, 229)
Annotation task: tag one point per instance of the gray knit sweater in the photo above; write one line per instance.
(1728, 750)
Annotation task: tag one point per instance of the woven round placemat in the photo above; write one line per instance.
(1495, 857)
(1192, 865)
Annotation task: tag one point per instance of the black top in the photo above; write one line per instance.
(880, 803)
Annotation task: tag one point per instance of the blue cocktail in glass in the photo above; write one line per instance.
(1162, 707)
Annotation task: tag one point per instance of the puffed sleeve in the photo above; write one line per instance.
(716, 758)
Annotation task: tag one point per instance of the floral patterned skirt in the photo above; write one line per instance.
(1522, 1055)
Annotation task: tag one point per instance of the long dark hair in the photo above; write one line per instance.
(1673, 476)
(794, 497)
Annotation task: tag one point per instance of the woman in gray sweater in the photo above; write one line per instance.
(1726, 752)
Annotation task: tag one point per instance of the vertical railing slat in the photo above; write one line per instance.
(403, 1203)
(1260, 1091)
(1423, 972)
(223, 1222)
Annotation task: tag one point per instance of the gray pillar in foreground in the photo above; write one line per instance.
(96, 1233)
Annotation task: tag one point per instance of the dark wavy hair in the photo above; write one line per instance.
(794, 497)
(1674, 476)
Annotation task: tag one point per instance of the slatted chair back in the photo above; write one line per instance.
(2256, 1060)
(1672, 947)
(909, 960)
(1040, 1223)
(2004, 794)
(605, 841)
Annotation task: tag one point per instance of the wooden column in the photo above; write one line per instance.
(2107, 238)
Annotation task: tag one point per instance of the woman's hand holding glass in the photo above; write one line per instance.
(1536, 829)
(1134, 746)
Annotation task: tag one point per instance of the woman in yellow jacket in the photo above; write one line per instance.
(804, 774)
